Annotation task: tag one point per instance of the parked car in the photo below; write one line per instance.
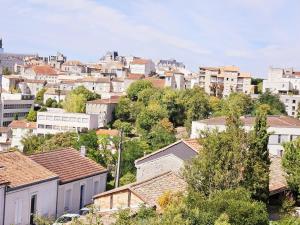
(66, 218)
(84, 211)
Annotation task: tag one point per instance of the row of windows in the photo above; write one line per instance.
(62, 118)
(62, 128)
(17, 106)
(20, 114)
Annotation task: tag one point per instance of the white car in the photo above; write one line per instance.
(66, 218)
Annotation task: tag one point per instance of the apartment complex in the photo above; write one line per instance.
(14, 106)
(282, 129)
(57, 120)
(221, 81)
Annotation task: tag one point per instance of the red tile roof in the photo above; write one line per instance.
(20, 170)
(151, 189)
(94, 80)
(44, 70)
(4, 129)
(140, 61)
(156, 82)
(104, 101)
(273, 121)
(135, 76)
(22, 124)
(68, 164)
(107, 132)
(277, 182)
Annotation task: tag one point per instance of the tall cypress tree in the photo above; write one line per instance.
(258, 161)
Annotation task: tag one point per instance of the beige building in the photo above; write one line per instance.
(221, 81)
(103, 108)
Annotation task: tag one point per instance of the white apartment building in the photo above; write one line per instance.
(221, 81)
(103, 108)
(282, 81)
(14, 105)
(142, 66)
(95, 84)
(282, 129)
(57, 120)
(291, 103)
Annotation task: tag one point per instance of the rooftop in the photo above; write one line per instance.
(44, 70)
(151, 189)
(22, 124)
(135, 76)
(107, 132)
(140, 61)
(68, 164)
(19, 170)
(156, 82)
(273, 121)
(277, 177)
(104, 101)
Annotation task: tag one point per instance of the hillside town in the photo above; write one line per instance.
(130, 140)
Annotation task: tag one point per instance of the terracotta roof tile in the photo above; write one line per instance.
(140, 61)
(156, 82)
(277, 177)
(107, 132)
(22, 124)
(44, 70)
(68, 164)
(20, 170)
(73, 63)
(104, 101)
(4, 129)
(135, 76)
(94, 80)
(273, 121)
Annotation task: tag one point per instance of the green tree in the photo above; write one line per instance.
(125, 126)
(150, 116)
(276, 106)
(88, 95)
(291, 164)
(39, 98)
(49, 102)
(75, 103)
(161, 135)
(6, 71)
(127, 178)
(136, 87)
(258, 163)
(32, 115)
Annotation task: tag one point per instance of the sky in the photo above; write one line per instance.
(251, 34)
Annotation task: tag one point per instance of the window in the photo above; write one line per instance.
(49, 127)
(18, 211)
(67, 199)
(96, 187)
(41, 126)
(57, 118)
(279, 152)
(279, 138)
(41, 117)
(84, 120)
(294, 101)
(293, 107)
(49, 117)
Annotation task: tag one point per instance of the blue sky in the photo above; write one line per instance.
(253, 34)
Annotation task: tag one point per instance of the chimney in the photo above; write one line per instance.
(82, 150)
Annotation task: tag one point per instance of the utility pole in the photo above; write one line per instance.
(117, 179)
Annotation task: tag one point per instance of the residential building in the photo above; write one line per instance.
(170, 64)
(14, 105)
(55, 94)
(30, 189)
(57, 120)
(11, 82)
(57, 60)
(41, 72)
(282, 81)
(221, 81)
(103, 108)
(142, 66)
(95, 84)
(5, 138)
(80, 178)
(291, 103)
(31, 86)
(282, 129)
(73, 67)
(3, 184)
(169, 158)
(144, 192)
(21, 129)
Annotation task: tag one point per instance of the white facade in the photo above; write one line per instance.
(56, 120)
(17, 202)
(291, 103)
(141, 66)
(2, 200)
(69, 193)
(14, 104)
(278, 136)
(18, 134)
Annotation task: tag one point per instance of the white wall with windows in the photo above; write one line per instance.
(77, 194)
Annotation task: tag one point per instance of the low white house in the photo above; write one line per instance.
(57, 120)
(282, 129)
(79, 177)
(30, 189)
(20, 129)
